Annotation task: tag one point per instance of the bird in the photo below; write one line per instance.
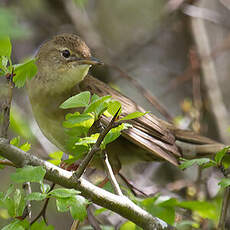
(63, 63)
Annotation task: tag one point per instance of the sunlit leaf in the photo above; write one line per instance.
(98, 106)
(78, 208)
(225, 182)
(133, 115)
(80, 100)
(113, 107)
(113, 134)
(188, 163)
(24, 71)
(5, 46)
(128, 226)
(28, 174)
(204, 208)
(36, 196)
(77, 120)
(41, 226)
(56, 157)
(64, 192)
(88, 140)
(219, 156)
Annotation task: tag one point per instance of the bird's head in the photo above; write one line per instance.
(63, 61)
(64, 51)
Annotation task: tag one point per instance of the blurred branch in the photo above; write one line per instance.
(210, 78)
(6, 107)
(84, 26)
(204, 13)
(119, 204)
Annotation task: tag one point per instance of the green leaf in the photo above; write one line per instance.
(77, 119)
(36, 196)
(15, 141)
(113, 107)
(9, 191)
(94, 98)
(133, 115)
(78, 208)
(25, 147)
(41, 226)
(64, 192)
(188, 163)
(88, 140)
(99, 211)
(161, 207)
(3, 65)
(98, 106)
(128, 226)
(63, 204)
(19, 202)
(17, 225)
(80, 100)
(113, 134)
(219, 156)
(5, 46)
(45, 188)
(56, 157)
(225, 182)
(24, 71)
(28, 174)
(203, 208)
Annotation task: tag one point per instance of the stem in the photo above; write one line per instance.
(94, 149)
(111, 175)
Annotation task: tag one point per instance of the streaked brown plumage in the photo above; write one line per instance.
(57, 79)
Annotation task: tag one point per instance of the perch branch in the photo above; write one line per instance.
(119, 204)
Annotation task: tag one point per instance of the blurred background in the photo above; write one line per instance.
(170, 56)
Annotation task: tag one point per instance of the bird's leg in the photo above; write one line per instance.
(131, 187)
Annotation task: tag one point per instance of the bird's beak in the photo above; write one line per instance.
(87, 61)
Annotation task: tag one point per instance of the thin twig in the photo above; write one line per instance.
(210, 78)
(92, 219)
(94, 149)
(44, 208)
(132, 187)
(111, 176)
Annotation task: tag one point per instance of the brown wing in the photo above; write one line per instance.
(148, 132)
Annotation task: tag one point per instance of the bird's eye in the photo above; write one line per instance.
(66, 53)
